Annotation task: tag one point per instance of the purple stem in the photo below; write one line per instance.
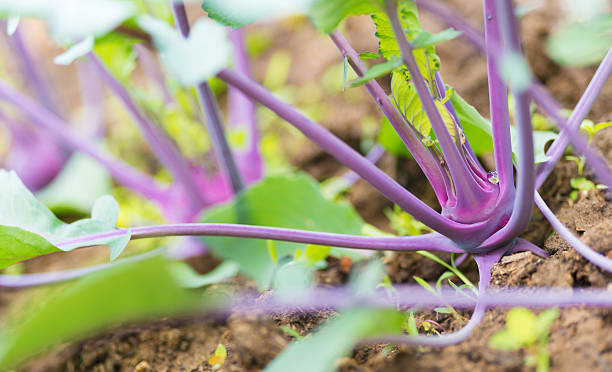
(470, 196)
(123, 173)
(498, 100)
(41, 88)
(92, 100)
(461, 233)
(570, 129)
(429, 164)
(523, 202)
(32, 280)
(432, 241)
(373, 156)
(161, 145)
(221, 148)
(242, 113)
(153, 71)
(586, 251)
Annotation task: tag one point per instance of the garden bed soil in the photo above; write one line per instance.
(580, 339)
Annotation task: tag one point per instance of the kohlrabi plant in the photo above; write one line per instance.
(483, 211)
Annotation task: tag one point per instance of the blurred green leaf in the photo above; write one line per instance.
(234, 13)
(582, 43)
(199, 57)
(320, 351)
(116, 51)
(425, 39)
(66, 194)
(28, 229)
(189, 278)
(127, 292)
(326, 15)
(281, 201)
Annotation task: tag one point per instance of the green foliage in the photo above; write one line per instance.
(124, 293)
(66, 195)
(192, 60)
(524, 329)
(28, 229)
(403, 223)
(377, 71)
(72, 20)
(319, 351)
(234, 13)
(477, 129)
(426, 39)
(117, 53)
(189, 278)
(591, 128)
(581, 43)
(326, 15)
(273, 202)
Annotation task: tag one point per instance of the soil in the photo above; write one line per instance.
(580, 339)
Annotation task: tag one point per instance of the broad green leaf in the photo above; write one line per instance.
(377, 71)
(408, 103)
(29, 229)
(545, 320)
(521, 323)
(390, 140)
(72, 20)
(66, 194)
(582, 43)
(76, 51)
(189, 278)
(127, 292)
(281, 201)
(504, 340)
(326, 15)
(236, 13)
(425, 39)
(193, 60)
(476, 128)
(320, 351)
(540, 139)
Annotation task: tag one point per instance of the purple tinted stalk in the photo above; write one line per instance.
(523, 202)
(152, 69)
(461, 233)
(163, 148)
(586, 251)
(123, 173)
(34, 76)
(242, 113)
(498, 100)
(92, 100)
(373, 156)
(432, 241)
(570, 130)
(221, 148)
(470, 196)
(428, 163)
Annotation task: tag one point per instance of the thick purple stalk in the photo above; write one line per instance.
(525, 184)
(123, 173)
(432, 241)
(161, 145)
(242, 114)
(429, 164)
(468, 235)
(586, 251)
(498, 100)
(470, 196)
(221, 148)
(153, 70)
(570, 130)
(34, 76)
(373, 156)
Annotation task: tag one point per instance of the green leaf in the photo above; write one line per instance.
(127, 292)
(391, 141)
(365, 281)
(540, 139)
(504, 340)
(521, 323)
(544, 321)
(407, 101)
(117, 53)
(199, 57)
(326, 15)
(582, 44)
(368, 55)
(234, 13)
(515, 71)
(582, 183)
(315, 253)
(189, 278)
(76, 51)
(425, 39)
(72, 20)
(29, 229)
(377, 71)
(66, 194)
(319, 352)
(281, 201)
(476, 128)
